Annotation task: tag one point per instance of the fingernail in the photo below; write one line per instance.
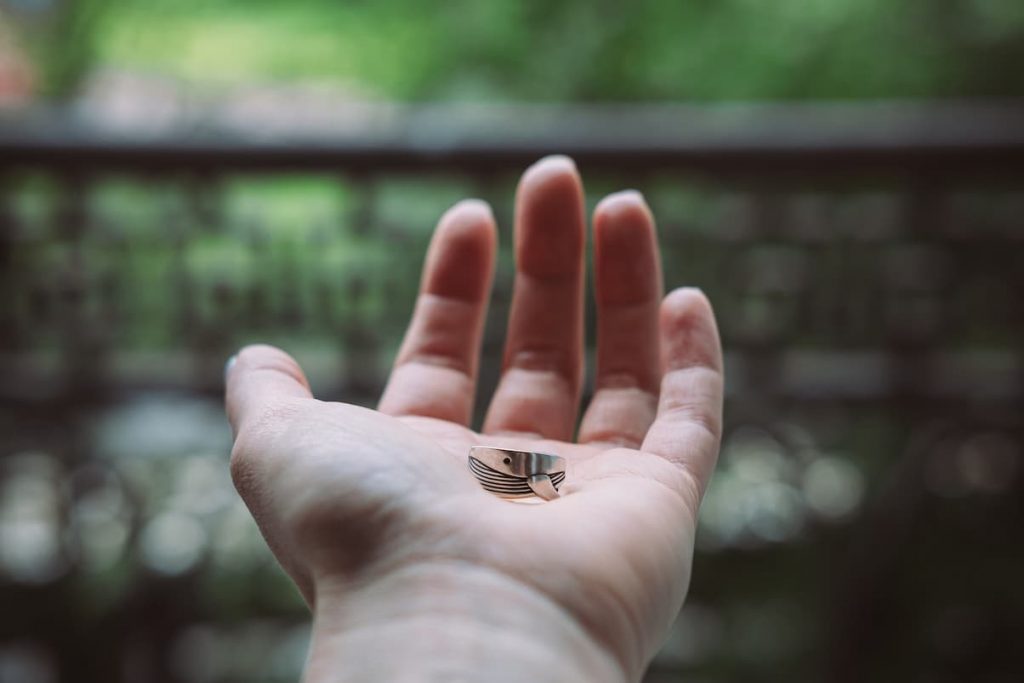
(559, 157)
(554, 159)
(230, 364)
(627, 197)
(686, 292)
(474, 204)
(632, 194)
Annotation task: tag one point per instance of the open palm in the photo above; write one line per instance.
(348, 497)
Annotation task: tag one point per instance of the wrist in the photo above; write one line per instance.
(449, 623)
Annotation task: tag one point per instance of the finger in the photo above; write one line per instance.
(259, 377)
(539, 389)
(627, 267)
(687, 429)
(436, 369)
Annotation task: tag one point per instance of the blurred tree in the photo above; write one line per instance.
(550, 51)
(62, 38)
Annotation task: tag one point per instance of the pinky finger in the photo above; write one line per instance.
(688, 425)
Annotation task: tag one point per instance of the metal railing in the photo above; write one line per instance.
(865, 263)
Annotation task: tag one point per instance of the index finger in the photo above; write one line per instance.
(436, 369)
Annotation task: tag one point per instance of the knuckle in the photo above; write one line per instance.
(242, 467)
(256, 439)
(707, 419)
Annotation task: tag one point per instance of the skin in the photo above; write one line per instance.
(412, 571)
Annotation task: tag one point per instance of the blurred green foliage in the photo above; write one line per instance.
(572, 50)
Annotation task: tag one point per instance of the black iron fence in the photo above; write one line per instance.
(866, 264)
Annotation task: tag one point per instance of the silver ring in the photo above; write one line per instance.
(516, 474)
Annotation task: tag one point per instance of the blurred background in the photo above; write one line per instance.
(844, 178)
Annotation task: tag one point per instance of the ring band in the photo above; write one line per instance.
(517, 474)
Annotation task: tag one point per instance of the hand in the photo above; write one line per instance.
(409, 566)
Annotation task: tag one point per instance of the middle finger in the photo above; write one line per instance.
(539, 390)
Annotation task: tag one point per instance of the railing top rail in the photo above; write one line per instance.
(945, 138)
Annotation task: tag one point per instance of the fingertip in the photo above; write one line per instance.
(467, 223)
(255, 357)
(260, 375)
(461, 256)
(471, 211)
(625, 206)
(624, 228)
(550, 228)
(258, 351)
(689, 330)
(686, 307)
(682, 299)
(550, 163)
(626, 256)
(551, 174)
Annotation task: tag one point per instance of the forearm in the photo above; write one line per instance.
(450, 624)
